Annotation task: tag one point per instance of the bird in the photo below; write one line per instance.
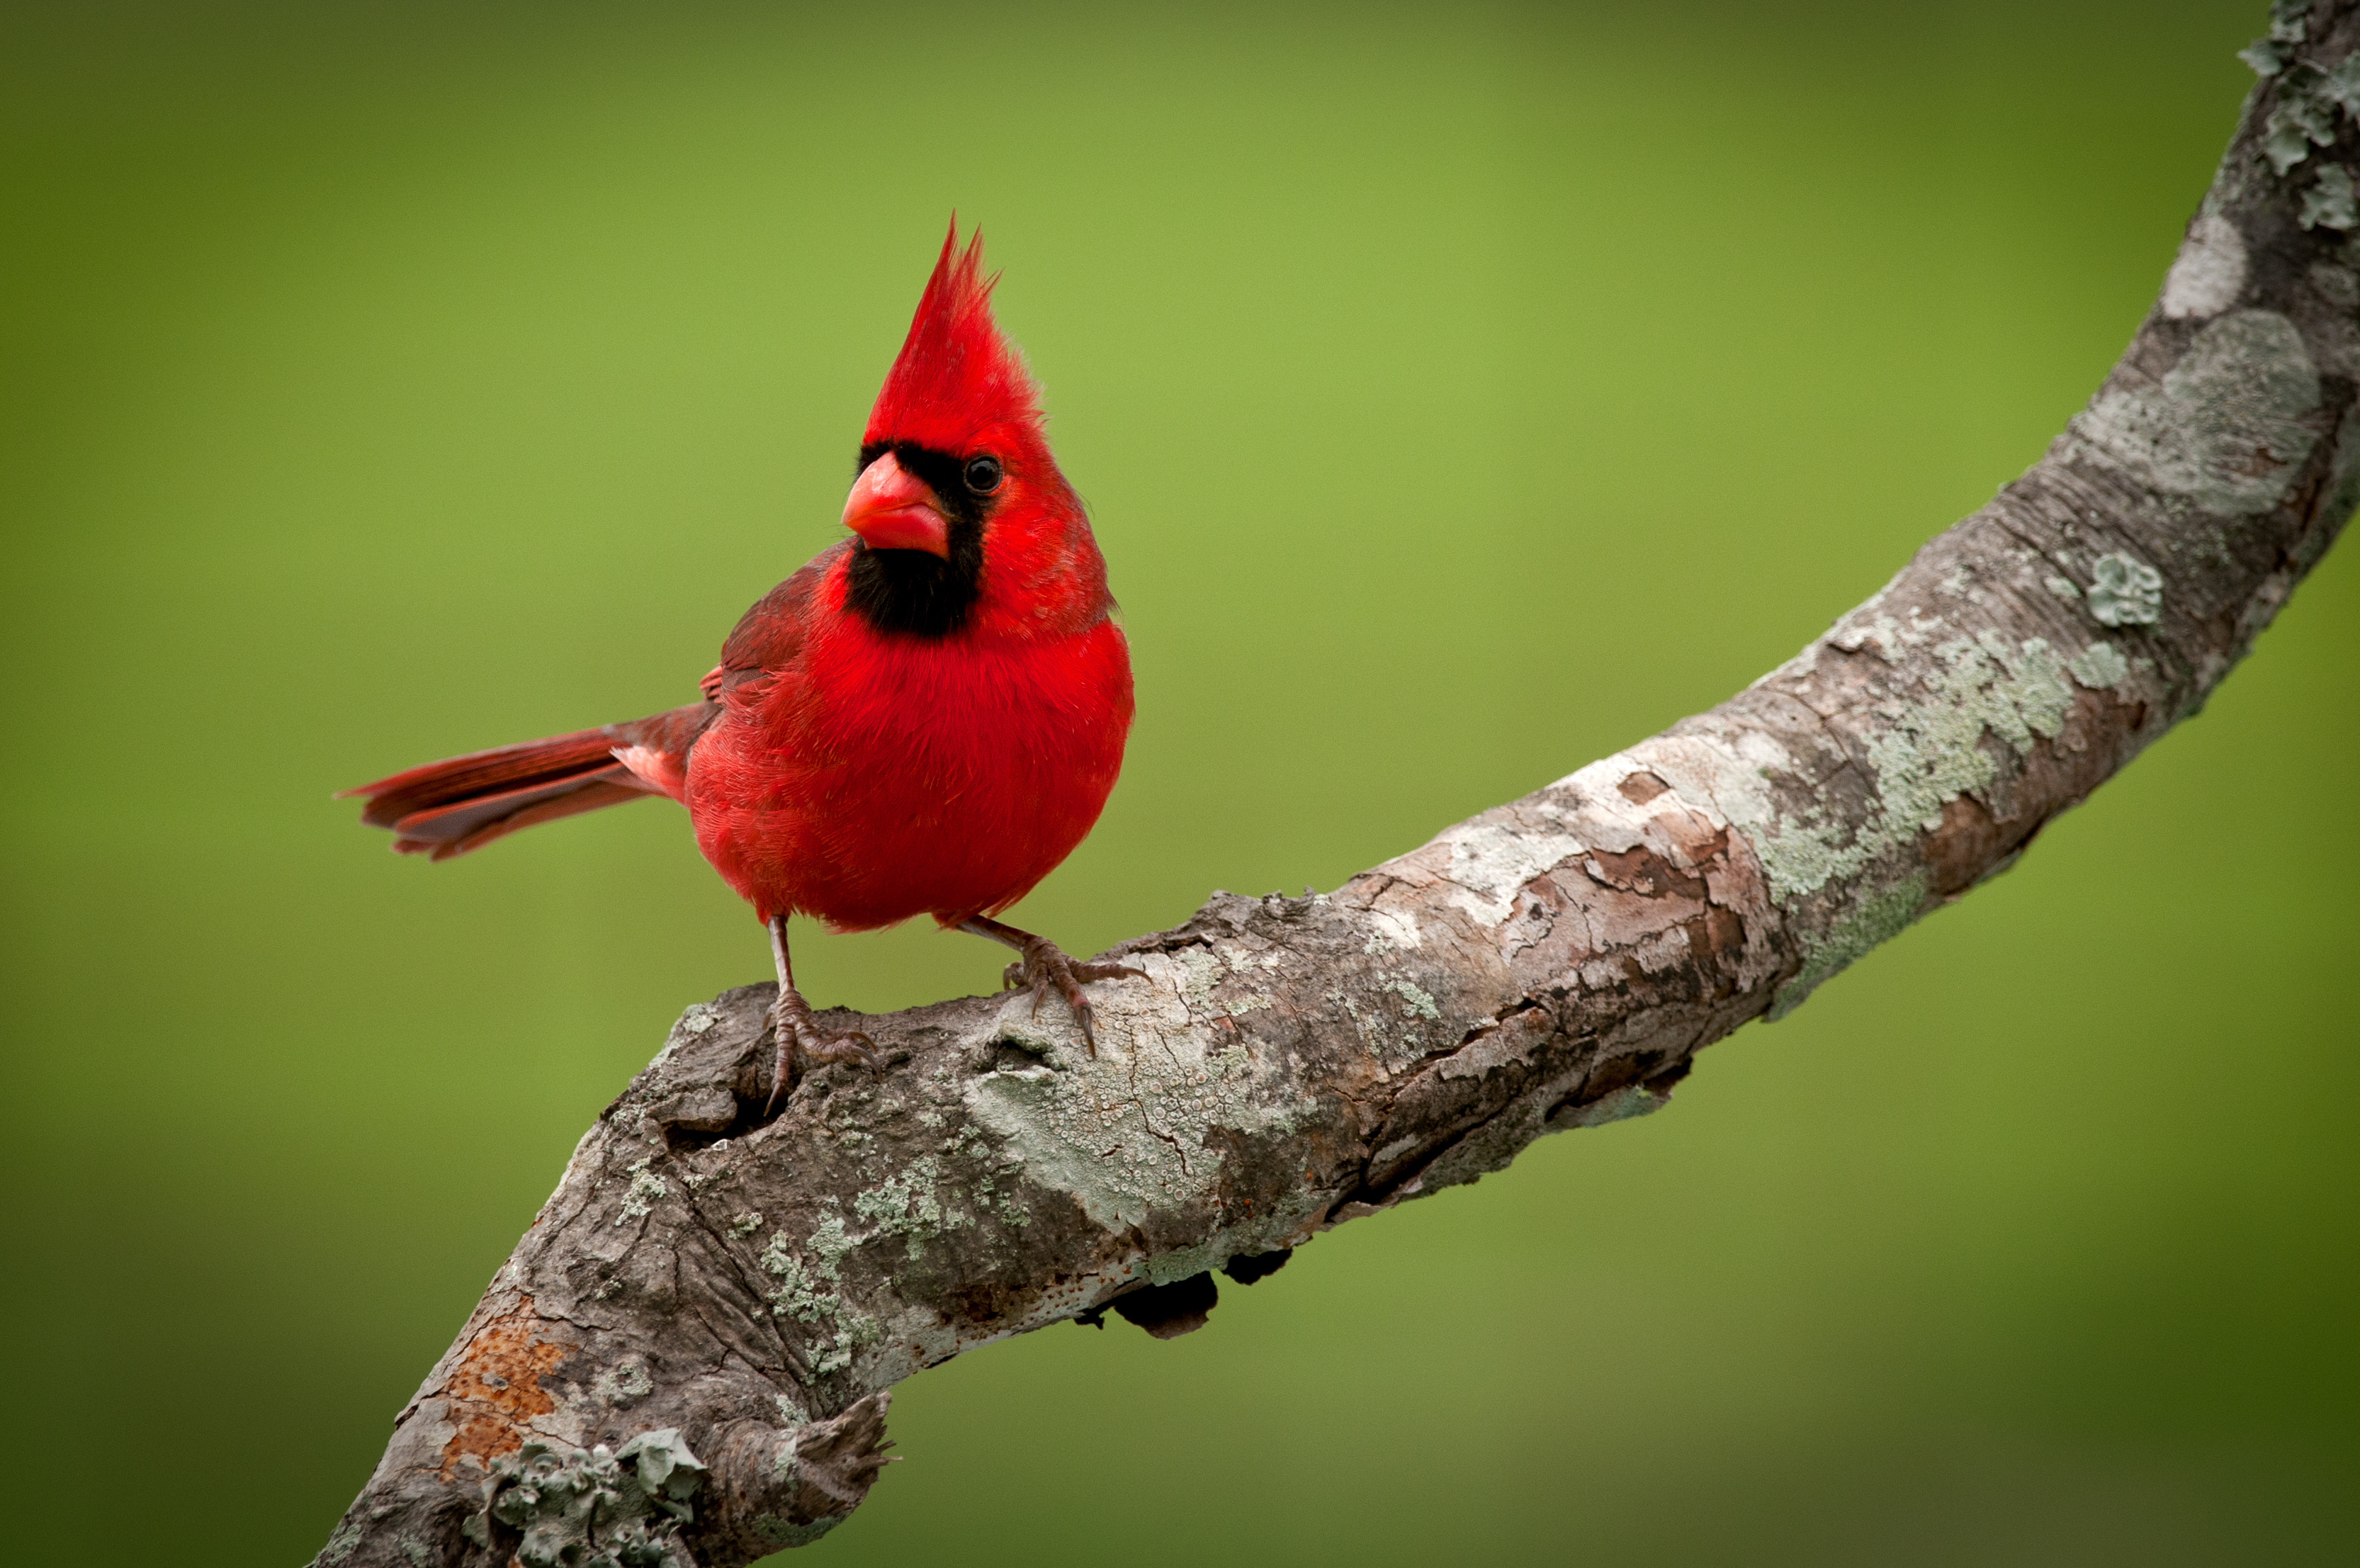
(925, 718)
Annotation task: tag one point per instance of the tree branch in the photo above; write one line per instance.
(686, 1360)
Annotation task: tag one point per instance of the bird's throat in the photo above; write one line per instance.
(916, 593)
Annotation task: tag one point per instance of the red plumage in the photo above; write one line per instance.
(926, 718)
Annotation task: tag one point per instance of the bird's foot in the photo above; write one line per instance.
(1045, 967)
(801, 1046)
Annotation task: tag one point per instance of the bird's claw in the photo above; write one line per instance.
(1044, 967)
(801, 1046)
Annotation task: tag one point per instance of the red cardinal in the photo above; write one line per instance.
(925, 719)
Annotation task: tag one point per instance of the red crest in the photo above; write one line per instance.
(955, 375)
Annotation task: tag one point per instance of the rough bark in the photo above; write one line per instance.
(687, 1357)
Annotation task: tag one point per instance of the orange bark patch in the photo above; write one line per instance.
(496, 1388)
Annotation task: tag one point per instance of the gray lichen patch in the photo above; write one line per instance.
(574, 1507)
(2329, 203)
(2227, 426)
(2125, 591)
(624, 1382)
(2210, 272)
(2273, 50)
(2101, 666)
(1125, 1131)
(1888, 635)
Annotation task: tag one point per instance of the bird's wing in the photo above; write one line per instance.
(769, 636)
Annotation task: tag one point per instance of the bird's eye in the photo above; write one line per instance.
(983, 474)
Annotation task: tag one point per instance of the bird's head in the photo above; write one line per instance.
(962, 515)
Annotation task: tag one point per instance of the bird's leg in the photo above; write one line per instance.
(1043, 965)
(800, 1041)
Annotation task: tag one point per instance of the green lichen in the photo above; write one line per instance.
(834, 1355)
(831, 1241)
(1929, 757)
(2312, 105)
(1803, 854)
(1416, 1001)
(1007, 1205)
(906, 1205)
(1199, 972)
(799, 1294)
(1873, 919)
(2288, 26)
(802, 1294)
(2126, 592)
(642, 1194)
(667, 1471)
(2300, 121)
(1929, 754)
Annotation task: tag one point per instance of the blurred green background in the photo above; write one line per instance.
(1462, 393)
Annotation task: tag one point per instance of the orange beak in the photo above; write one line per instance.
(892, 509)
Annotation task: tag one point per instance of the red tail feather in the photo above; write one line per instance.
(449, 807)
